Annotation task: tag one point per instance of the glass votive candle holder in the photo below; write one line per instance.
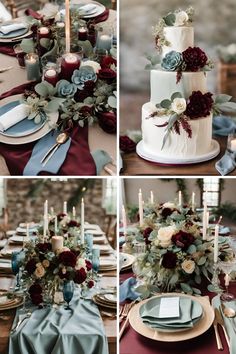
(231, 142)
(32, 67)
(20, 55)
(43, 32)
(82, 33)
(104, 41)
(99, 54)
(69, 63)
(51, 76)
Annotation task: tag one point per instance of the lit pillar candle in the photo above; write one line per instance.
(140, 204)
(51, 76)
(32, 66)
(55, 225)
(104, 42)
(57, 243)
(82, 34)
(216, 243)
(65, 207)
(82, 221)
(67, 20)
(73, 212)
(151, 197)
(204, 218)
(193, 201)
(124, 220)
(180, 198)
(43, 32)
(45, 227)
(69, 63)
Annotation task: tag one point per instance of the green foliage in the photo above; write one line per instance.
(27, 45)
(227, 210)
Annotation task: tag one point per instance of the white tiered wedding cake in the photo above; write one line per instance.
(177, 122)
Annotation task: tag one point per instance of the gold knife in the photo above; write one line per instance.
(218, 340)
(220, 321)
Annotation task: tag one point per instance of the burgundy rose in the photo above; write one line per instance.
(87, 91)
(127, 144)
(166, 212)
(67, 258)
(73, 223)
(107, 74)
(30, 266)
(36, 299)
(61, 216)
(183, 239)
(35, 289)
(44, 247)
(90, 284)
(107, 61)
(86, 111)
(194, 58)
(80, 276)
(62, 275)
(169, 260)
(107, 121)
(88, 265)
(146, 234)
(199, 105)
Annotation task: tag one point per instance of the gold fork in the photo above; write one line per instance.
(124, 312)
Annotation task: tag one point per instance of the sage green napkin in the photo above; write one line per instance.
(60, 331)
(190, 313)
(227, 321)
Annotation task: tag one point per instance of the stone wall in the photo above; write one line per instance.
(23, 208)
(214, 24)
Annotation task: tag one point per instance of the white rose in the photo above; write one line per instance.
(96, 66)
(164, 235)
(63, 249)
(181, 18)
(188, 266)
(80, 264)
(168, 205)
(178, 105)
(231, 49)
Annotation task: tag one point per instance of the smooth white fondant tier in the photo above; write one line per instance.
(163, 84)
(180, 38)
(176, 145)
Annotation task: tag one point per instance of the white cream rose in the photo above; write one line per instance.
(93, 64)
(181, 18)
(80, 264)
(168, 205)
(164, 235)
(178, 105)
(188, 266)
(39, 271)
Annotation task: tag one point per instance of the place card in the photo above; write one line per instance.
(169, 307)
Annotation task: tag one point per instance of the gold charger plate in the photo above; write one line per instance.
(201, 326)
(18, 302)
(105, 303)
(129, 261)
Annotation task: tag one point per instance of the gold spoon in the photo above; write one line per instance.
(61, 139)
(228, 311)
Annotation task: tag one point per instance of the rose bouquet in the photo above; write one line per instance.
(176, 257)
(44, 271)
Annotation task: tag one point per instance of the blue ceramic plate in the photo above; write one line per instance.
(23, 128)
(14, 34)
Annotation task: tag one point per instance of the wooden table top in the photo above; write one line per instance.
(133, 165)
(6, 281)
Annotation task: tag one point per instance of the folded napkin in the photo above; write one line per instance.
(88, 8)
(190, 313)
(4, 13)
(224, 230)
(227, 163)
(5, 29)
(101, 159)
(126, 290)
(34, 166)
(14, 116)
(227, 321)
(223, 125)
(7, 49)
(18, 89)
(34, 14)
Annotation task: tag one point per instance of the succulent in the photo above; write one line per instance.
(84, 74)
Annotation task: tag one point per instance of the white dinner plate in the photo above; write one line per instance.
(128, 260)
(99, 8)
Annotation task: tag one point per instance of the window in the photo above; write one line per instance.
(109, 196)
(212, 186)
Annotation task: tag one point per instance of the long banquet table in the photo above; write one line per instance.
(6, 281)
(98, 139)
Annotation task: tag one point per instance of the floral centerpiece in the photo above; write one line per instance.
(176, 257)
(44, 270)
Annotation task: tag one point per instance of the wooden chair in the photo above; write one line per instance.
(17, 7)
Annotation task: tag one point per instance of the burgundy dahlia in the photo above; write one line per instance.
(87, 91)
(63, 275)
(199, 105)
(166, 212)
(107, 62)
(169, 260)
(30, 266)
(68, 258)
(107, 121)
(127, 144)
(73, 223)
(80, 276)
(194, 58)
(107, 74)
(183, 239)
(146, 234)
(88, 265)
(90, 284)
(36, 299)
(35, 289)
(44, 247)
